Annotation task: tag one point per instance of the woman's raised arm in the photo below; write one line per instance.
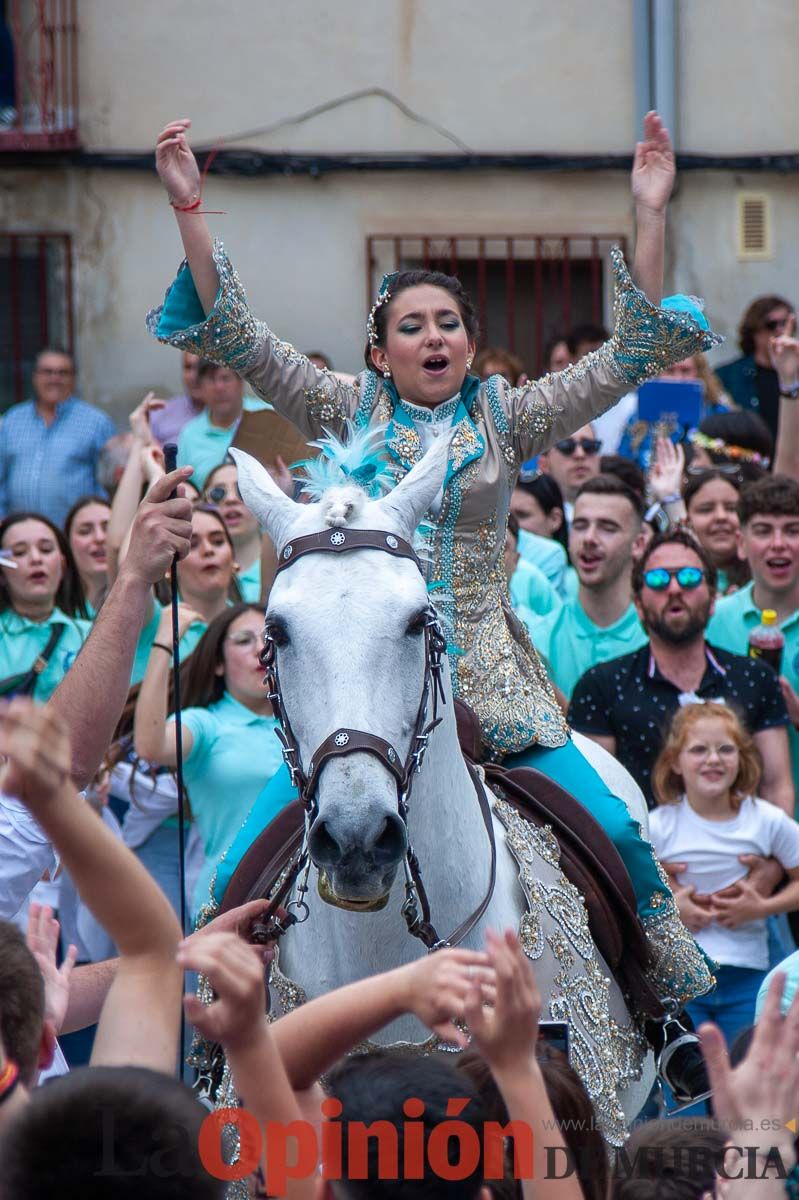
(178, 171)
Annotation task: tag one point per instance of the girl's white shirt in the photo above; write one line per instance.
(710, 850)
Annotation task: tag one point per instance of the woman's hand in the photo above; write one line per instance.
(153, 463)
(140, 418)
(42, 940)
(236, 973)
(694, 916)
(665, 476)
(745, 906)
(653, 171)
(176, 165)
(784, 352)
(186, 617)
(506, 1034)
(35, 743)
(435, 988)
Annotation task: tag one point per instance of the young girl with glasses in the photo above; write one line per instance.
(229, 747)
(705, 781)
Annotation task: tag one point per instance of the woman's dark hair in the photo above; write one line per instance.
(203, 686)
(573, 1110)
(738, 427)
(77, 506)
(410, 279)
(753, 319)
(545, 490)
(549, 349)
(69, 597)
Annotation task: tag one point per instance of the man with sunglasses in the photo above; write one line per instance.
(627, 704)
(571, 463)
(751, 379)
(599, 622)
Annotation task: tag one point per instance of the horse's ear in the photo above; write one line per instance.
(407, 504)
(273, 508)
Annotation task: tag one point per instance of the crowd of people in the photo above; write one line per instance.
(642, 560)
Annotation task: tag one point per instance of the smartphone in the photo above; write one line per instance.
(677, 400)
(555, 1034)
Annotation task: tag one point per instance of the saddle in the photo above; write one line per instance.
(588, 858)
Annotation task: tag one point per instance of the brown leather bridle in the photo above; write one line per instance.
(344, 741)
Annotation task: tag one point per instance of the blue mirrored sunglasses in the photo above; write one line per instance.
(658, 578)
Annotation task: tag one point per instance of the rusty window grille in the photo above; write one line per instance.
(527, 288)
(38, 75)
(36, 282)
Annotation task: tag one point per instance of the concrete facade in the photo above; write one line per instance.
(536, 77)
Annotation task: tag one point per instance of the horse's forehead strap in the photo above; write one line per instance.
(340, 541)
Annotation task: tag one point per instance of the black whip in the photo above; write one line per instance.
(170, 461)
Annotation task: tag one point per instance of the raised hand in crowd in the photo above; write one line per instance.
(652, 181)
(665, 477)
(784, 353)
(42, 938)
(92, 694)
(506, 1035)
(140, 418)
(236, 1018)
(140, 1018)
(759, 1096)
(153, 463)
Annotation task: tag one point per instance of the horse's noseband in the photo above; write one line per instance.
(344, 741)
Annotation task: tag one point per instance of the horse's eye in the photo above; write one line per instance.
(416, 624)
(276, 630)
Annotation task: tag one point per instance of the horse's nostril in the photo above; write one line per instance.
(391, 842)
(323, 847)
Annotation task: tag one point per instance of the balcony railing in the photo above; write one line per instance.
(38, 75)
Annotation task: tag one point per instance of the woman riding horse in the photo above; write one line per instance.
(421, 341)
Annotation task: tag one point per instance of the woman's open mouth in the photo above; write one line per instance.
(436, 364)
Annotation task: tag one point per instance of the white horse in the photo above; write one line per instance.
(350, 652)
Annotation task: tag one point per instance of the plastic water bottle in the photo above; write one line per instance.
(766, 641)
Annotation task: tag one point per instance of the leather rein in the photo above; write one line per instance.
(276, 921)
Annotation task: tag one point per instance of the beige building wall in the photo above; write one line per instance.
(534, 76)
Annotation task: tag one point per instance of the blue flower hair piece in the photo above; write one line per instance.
(356, 458)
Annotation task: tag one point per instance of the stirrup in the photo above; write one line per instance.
(680, 1063)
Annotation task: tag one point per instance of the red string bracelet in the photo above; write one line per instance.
(194, 207)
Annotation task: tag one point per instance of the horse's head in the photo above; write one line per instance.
(349, 639)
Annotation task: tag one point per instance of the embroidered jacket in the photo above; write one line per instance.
(494, 666)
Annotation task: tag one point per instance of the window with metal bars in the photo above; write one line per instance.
(36, 284)
(527, 288)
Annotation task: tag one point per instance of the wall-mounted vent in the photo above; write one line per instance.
(754, 225)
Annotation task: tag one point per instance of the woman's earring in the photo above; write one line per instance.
(468, 364)
(386, 371)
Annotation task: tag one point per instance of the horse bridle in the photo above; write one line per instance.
(344, 741)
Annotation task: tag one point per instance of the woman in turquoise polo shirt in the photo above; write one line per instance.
(42, 615)
(229, 746)
(222, 490)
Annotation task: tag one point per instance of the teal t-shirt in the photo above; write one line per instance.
(571, 642)
(23, 640)
(530, 589)
(249, 582)
(546, 554)
(234, 754)
(204, 446)
(729, 628)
